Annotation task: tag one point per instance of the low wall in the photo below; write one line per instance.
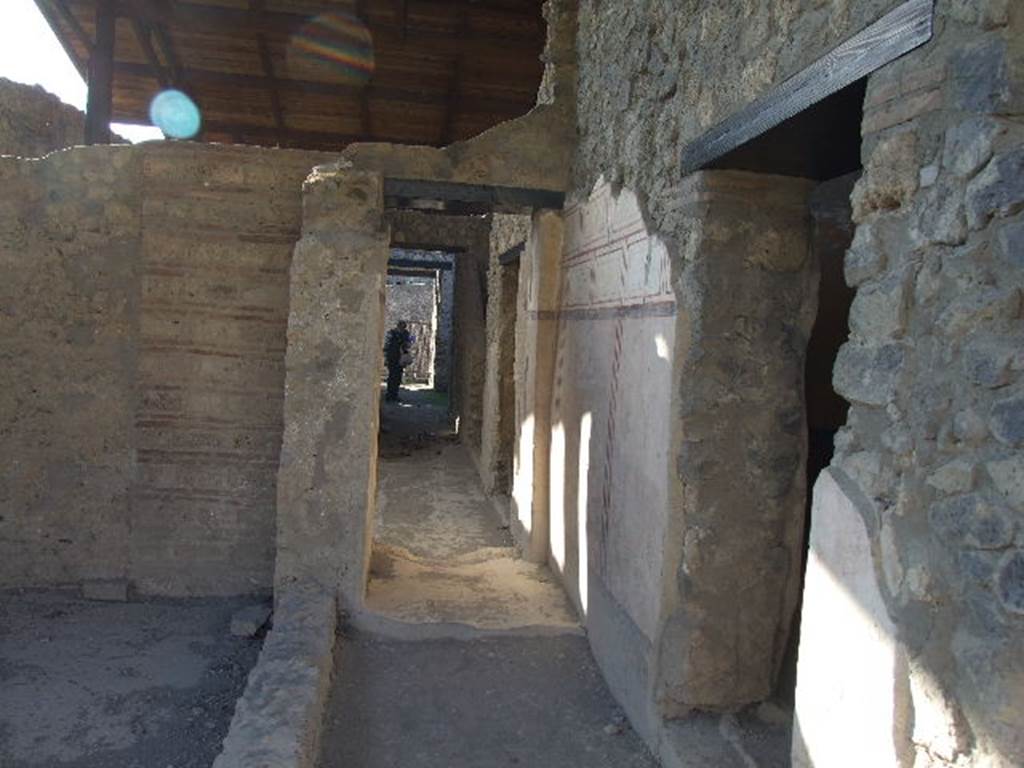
(146, 300)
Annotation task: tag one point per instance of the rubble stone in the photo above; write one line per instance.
(998, 190)
(972, 521)
(868, 374)
(1007, 421)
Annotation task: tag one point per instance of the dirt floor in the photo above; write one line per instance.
(117, 685)
(491, 703)
(442, 554)
(466, 655)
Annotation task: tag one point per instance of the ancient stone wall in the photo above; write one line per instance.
(682, 67)
(327, 480)
(218, 228)
(34, 122)
(928, 471)
(143, 391)
(498, 427)
(915, 563)
(69, 322)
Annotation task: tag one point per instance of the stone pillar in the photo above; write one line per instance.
(499, 424)
(536, 348)
(443, 341)
(470, 342)
(326, 492)
(746, 293)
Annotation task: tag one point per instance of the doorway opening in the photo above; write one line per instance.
(442, 552)
(822, 143)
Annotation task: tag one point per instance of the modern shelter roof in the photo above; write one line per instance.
(443, 70)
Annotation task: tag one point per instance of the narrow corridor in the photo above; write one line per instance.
(466, 656)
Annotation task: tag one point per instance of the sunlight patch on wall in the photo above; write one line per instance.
(586, 423)
(522, 486)
(557, 495)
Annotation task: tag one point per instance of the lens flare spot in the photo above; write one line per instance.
(175, 114)
(336, 45)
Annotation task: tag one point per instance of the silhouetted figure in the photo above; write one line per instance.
(397, 355)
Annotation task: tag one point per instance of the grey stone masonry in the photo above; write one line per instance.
(327, 477)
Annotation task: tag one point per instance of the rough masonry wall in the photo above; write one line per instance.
(34, 123)
(929, 474)
(927, 482)
(682, 67)
(69, 296)
(143, 387)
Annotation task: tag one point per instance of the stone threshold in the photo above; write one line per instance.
(278, 721)
(751, 739)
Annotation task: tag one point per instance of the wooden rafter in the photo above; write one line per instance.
(403, 19)
(452, 108)
(73, 24)
(145, 37)
(50, 11)
(267, 62)
(193, 17)
(228, 58)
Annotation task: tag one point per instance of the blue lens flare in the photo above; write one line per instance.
(175, 114)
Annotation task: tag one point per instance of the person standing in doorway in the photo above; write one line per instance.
(397, 355)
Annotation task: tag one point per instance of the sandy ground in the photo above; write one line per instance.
(442, 553)
(467, 656)
(117, 685)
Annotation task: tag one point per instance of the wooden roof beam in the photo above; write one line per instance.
(364, 100)
(202, 18)
(57, 16)
(73, 24)
(200, 77)
(448, 132)
(145, 38)
(240, 133)
(99, 106)
(259, 6)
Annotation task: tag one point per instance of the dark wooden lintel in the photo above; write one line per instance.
(899, 31)
(427, 247)
(511, 256)
(491, 198)
(413, 263)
